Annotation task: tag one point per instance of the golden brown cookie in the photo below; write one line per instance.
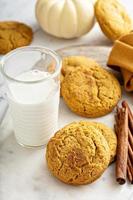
(112, 18)
(14, 34)
(90, 91)
(109, 135)
(71, 62)
(78, 154)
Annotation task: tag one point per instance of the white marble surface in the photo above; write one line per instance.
(23, 172)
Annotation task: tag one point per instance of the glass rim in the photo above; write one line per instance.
(42, 49)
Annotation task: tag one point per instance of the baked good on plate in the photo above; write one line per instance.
(90, 91)
(69, 63)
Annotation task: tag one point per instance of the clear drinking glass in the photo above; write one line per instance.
(32, 78)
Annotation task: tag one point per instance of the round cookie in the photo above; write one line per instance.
(14, 34)
(112, 18)
(109, 135)
(71, 62)
(77, 154)
(90, 91)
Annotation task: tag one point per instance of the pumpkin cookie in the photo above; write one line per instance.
(71, 62)
(112, 18)
(14, 34)
(109, 135)
(78, 154)
(90, 91)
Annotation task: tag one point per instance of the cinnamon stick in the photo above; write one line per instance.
(129, 175)
(130, 143)
(130, 162)
(130, 115)
(122, 144)
(130, 138)
(129, 170)
(130, 152)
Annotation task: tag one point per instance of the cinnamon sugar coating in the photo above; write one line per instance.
(78, 154)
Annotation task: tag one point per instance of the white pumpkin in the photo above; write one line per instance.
(65, 18)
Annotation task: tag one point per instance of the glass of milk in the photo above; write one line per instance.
(32, 78)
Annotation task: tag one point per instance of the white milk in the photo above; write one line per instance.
(34, 108)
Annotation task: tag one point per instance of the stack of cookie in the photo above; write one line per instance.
(80, 152)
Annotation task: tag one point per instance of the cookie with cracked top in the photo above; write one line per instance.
(14, 34)
(78, 154)
(90, 91)
(69, 63)
(108, 134)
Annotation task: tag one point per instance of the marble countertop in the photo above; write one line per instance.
(23, 172)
